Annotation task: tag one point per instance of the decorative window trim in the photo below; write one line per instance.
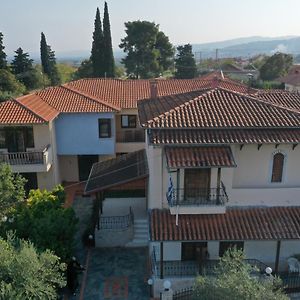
(283, 177)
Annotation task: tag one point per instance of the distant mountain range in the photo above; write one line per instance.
(245, 47)
(240, 47)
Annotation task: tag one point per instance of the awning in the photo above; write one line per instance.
(117, 171)
(199, 157)
(272, 223)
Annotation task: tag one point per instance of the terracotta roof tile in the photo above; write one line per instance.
(38, 106)
(224, 136)
(293, 77)
(218, 108)
(270, 223)
(199, 157)
(12, 112)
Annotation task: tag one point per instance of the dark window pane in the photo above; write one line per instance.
(128, 121)
(224, 246)
(2, 138)
(29, 137)
(104, 128)
(194, 251)
(277, 170)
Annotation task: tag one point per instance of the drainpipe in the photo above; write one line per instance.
(277, 257)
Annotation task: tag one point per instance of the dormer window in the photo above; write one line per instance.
(277, 168)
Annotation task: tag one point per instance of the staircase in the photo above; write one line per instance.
(141, 234)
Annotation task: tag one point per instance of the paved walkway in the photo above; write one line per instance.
(116, 274)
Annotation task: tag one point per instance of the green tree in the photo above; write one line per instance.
(97, 56)
(234, 280)
(185, 64)
(276, 66)
(85, 69)
(9, 85)
(3, 62)
(44, 221)
(49, 61)
(26, 273)
(108, 56)
(22, 67)
(11, 189)
(66, 72)
(148, 50)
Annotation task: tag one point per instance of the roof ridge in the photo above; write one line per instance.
(79, 92)
(28, 109)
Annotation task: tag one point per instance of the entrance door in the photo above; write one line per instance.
(32, 183)
(85, 163)
(196, 184)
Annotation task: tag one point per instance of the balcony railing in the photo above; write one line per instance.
(25, 158)
(131, 136)
(116, 222)
(195, 197)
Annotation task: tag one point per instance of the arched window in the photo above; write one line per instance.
(277, 170)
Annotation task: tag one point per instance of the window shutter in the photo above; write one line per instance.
(277, 170)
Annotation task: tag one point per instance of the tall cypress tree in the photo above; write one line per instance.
(49, 61)
(97, 48)
(109, 62)
(3, 62)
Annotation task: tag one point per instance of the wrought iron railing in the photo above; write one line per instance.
(198, 196)
(131, 136)
(116, 222)
(23, 158)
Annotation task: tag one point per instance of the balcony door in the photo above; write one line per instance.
(196, 184)
(15, 140)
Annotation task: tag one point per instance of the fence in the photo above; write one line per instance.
(116, 222)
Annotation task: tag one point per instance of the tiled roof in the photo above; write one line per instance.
(199, 157)
(280, 97)
(293, 77)
(12, 112)
(218, 108)
(38, 106)
(126, 93)
(272, 223)
(224, 136)
(117, 171)
(67, 101)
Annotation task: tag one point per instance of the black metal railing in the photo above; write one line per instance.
(290, 281)
(116, 222)
(198, 196)
(130, 136)
(184, 294)
(23, 158)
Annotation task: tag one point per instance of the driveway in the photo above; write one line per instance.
(117, 274)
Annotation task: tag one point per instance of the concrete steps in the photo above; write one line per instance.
(141, 234)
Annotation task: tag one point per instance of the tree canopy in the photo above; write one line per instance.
(44, 221)
(3, 62)
(49, 61)
(276, 66)
(97, 56)
(26, 273)
(185, 63)
(234, 280)
(108, 56)
(149, 51)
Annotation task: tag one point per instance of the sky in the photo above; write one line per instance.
(68, 24)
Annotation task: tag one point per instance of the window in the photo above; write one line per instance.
(29, 140)
(194, 251)
(224, 246)
(277, 169)
(104, 128)
(128, 121)
(2, 138)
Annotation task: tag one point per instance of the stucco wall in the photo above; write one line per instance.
(42, 136)
(68, 168)
(79, 134)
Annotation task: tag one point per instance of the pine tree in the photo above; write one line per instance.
(97, 47)
(21, 62)
(49, 61)
(185, 62)
(3, 62)
(109, 62)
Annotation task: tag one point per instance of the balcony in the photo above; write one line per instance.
(29, 161)
(198, 201)
(128, 140)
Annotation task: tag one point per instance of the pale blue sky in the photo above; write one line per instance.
(68, 24)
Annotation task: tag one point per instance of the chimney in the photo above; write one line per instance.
(153, 89)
